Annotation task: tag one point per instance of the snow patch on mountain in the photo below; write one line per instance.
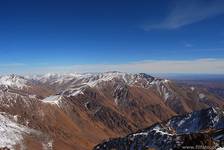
(192, 88)
(48, 145)
(195, 121)
(14, 81)
(201, 95)
(73, 91)
(160, 130)
(53, 99)
(90, 79)
(11, 132)
(57, 79)
(70, 83)
(162, 88)
(104, 77)
(32, 96)
(167, 135)
(8, 99)
(141, 134)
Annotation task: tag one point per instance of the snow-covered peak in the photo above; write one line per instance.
(92, 79)
(73, 81)
(55, 78)
(14, 81)
(69, 84)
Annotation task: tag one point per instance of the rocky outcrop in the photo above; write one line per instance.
(197, 130)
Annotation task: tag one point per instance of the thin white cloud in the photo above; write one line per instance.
(200, 66)
(185, 12)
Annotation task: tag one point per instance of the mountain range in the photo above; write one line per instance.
(79, 111)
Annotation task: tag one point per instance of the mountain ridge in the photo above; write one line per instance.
(169, 134)
(66, 107)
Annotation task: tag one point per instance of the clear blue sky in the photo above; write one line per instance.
(37, 33)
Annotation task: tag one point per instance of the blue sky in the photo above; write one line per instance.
(87, 35)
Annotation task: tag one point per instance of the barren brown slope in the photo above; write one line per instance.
(80, 115)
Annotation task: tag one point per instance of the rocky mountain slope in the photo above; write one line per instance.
(196, 130)
(77, 111)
